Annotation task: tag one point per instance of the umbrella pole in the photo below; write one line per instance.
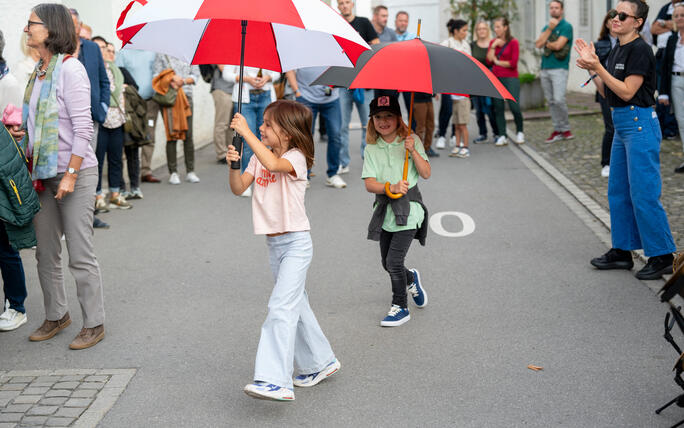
(406, 156)
(237, 139)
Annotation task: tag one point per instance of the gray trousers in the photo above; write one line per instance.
(555, 84)
(223, 135)
(677, 102)
(148, 149)
(73, 217)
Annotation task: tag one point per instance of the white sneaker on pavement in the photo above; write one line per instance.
(192, 177)
(11, 319)
(520, 138)
(452, 141)
(335, 181)
(247, 193)
(605, 171)
(501, 141)
(441, 143)
(174, 178)
(342, 169)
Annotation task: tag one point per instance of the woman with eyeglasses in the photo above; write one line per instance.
(671, 90)
(58, 127)
(628, 83)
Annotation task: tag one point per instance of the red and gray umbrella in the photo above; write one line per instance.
(417, 66)
(277, 35)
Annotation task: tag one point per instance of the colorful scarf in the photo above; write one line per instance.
(46, 129)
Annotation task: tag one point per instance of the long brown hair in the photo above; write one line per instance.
(372, 134)
(505, 23)
(295, 120)
(605, 33)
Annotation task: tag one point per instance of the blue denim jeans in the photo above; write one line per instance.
(347, 103)
(637, 217)
(483, 111)
(291, 341)
(110, 142)
(253, 111)
(332, 116)
(13, 279)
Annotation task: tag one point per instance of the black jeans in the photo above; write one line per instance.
(393, 249)
(110, 143)
(133, 165)
(607, 143)
(13, 279)
(445, 110)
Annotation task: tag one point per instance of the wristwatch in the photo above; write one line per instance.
(72, 171)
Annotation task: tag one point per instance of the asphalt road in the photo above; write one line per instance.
(186, 287)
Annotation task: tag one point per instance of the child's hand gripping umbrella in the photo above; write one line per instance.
(436, 69)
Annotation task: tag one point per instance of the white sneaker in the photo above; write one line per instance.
(452, 141)
(501, 141)
(174, 178)
(11, 319)
(315, 378)
(441, 143)
(247, 193)
(342, 169)
(464, 152)
(267, 391)
(335, 181)
(520, 138)
(605, 171)
(192, 177)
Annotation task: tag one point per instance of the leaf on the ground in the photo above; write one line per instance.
(535, 368)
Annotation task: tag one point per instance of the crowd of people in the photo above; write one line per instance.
(74, 101)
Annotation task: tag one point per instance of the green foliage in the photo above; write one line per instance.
(527, 78)
(474, 10)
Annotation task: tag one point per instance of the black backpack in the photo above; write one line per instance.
(207, 71)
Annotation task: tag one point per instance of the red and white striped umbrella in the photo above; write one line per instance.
(281, 35)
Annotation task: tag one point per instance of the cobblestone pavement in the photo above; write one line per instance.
(59, 398)
(580, 160)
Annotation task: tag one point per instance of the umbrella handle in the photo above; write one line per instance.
(406, 156)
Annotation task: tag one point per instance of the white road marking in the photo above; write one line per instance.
(438, 228)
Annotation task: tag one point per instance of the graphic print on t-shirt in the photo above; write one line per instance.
(266, 178)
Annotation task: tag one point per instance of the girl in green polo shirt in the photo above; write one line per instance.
(395, 222)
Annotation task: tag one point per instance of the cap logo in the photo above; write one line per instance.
(383, 101)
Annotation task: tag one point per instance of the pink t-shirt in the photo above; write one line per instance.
(278, 198)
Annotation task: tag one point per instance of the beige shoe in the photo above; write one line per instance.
(119, 202)
(50, 328)
(100, 205)
(88, 337)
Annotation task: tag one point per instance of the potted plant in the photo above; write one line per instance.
(531, 93)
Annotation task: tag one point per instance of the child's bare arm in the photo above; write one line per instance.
(373, 186)
(422, 166)
(270, 161)
(238, 182)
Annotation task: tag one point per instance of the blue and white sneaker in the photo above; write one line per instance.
(268, 391)
(417, 291)
(395, 317)
(314, 378)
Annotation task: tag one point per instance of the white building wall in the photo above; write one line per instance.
(102, 16)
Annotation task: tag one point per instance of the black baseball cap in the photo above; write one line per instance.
(385, 103)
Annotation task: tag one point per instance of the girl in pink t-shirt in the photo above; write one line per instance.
(279, 176)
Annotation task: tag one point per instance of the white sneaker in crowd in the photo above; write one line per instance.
(441, 143)
(501, 141)
(247, 193)
(605, 171)
(11, 319)
(335, 181)
(174, 178)
(342, 169)
(520, 138)
(452, 141)
(192, 177)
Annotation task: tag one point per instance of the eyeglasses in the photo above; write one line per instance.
(621, 16)
(28, 25)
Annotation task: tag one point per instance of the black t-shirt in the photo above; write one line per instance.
(636, 57)
(364, 27)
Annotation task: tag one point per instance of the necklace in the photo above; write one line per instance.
(39, 66)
